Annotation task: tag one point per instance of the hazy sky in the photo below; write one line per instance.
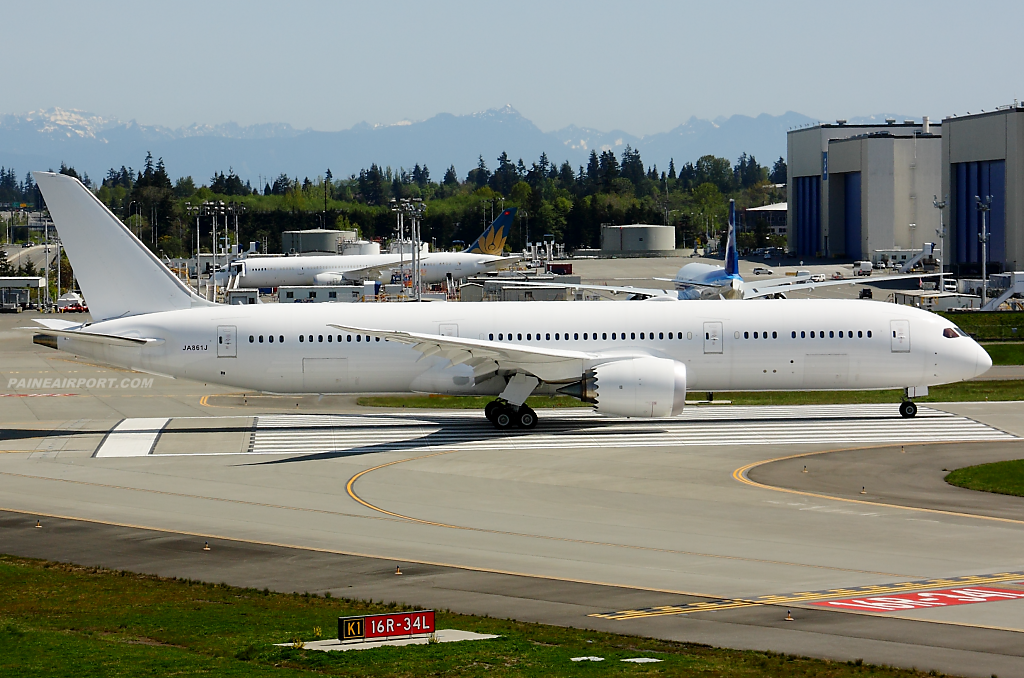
(637, 66)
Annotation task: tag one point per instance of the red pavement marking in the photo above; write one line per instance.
(920, 600)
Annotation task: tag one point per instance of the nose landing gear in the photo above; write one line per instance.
(505, 416)
(908, 409)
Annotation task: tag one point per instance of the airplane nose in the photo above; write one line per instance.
(984, 361)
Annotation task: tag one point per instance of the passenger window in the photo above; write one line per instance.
(793, 334)
(251, 338)
(547, 337)
(641, 335)
(367, 338)
(320, 338)
(604, 335)
(669, 335)
(311, 338)
(261, 338)
(613, 336)
(775, 335)
(576, 336)
(812, 334)
(280, 339)
(271, 338)
(519, 337)
(632, 335)
(821, 334)
(755, 335)
(661, 335)
(348, 337)
(490, 337)
(860, 334)
(501, 336)
(869, 334)
(831, 334)
(584, 336)
(329, 338)
(301, 338)
(556, 336)
(528, 337)
(376, 338)
(746, 335)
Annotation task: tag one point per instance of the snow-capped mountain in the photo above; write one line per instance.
(93, 143)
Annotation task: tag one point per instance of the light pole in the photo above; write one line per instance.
(526, 216)
(130, 214)
(941, 205)
(984, 206)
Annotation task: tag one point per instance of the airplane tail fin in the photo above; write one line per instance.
(732, 257)
(118, 274)
(492, 240)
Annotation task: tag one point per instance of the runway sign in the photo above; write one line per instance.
(386, 625)
(920, 600)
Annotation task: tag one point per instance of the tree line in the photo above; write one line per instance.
(557, 200)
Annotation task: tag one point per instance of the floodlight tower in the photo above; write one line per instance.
(984, 206)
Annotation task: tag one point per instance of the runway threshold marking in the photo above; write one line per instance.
(813, 597)
(740, 475)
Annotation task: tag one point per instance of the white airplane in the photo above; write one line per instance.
(631, 360)
(485, 254)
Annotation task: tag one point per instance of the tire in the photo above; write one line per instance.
(504, 418)
(526, 418)
(908, 409)
(490, 408)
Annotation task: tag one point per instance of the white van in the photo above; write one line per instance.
(862, 268)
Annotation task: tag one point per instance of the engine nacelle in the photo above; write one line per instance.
(635, 387)
(330, 279)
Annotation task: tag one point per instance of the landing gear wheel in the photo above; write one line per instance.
(504, 418)
(490, 409)
(526, 417)
(908, 409)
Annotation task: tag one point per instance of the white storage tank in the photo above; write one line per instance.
(638, 238)
(361, 247)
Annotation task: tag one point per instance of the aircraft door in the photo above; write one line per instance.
(448, 329)
(226, 341)
(713, 337)
(900, 335)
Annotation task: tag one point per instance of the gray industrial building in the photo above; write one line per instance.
(637, 240)
(316, 240)
(854, 189)
(983, 155)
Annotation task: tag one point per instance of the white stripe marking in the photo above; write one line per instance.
(132, 438)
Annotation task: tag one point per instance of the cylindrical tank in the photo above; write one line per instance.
(361, 247)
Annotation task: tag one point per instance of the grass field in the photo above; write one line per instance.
(1002, 477)
(63, 620)
(961, 392)
(1007, 353)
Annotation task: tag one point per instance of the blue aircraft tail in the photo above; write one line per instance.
(492, 240)
(732, 257)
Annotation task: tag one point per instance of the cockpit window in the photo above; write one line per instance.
(950, 333)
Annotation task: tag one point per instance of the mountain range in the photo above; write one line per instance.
(93, 144)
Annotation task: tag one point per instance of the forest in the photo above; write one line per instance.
(554, 200)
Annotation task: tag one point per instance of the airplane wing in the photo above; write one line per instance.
(615, 289)
(752, 291)
(488, 357)
(367, 271)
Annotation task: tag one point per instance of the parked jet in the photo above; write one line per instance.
(483, 255)
(708, 281)
(631, 360)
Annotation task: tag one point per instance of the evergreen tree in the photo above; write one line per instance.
(779, 173)
(672, 168)
(451, 178)
(480, 175)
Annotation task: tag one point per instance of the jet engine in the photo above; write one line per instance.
(330, 279)
(633, 387)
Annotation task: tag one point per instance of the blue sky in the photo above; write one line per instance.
(641, 66)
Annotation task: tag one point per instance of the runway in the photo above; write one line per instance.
(324, 434)
(703, 528)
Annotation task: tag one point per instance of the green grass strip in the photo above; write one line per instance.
(63, 620)
(1001, 477)
(1006, 353)
(966, 391)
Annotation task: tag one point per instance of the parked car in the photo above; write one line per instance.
(75, 308)
(818, 277)
(761, 270)
(865, 293)
(838, 275)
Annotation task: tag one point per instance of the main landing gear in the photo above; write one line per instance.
(505, 416)
(908, 409)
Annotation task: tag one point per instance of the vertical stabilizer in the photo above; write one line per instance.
(492, 241)
(118, 274)
(732, 257)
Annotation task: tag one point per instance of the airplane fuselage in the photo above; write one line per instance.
(778, 345)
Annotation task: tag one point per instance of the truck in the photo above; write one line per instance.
(862, 268)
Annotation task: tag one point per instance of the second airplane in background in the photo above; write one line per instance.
(485, 254)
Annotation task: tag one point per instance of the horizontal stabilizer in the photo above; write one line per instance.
(93, 337)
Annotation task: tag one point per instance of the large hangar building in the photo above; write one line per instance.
(855, 189)
(983, 155)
